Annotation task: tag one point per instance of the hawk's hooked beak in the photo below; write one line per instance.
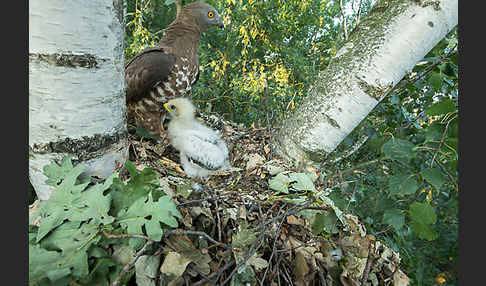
(166, 106)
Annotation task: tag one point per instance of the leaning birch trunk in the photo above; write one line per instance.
(387, 44)
(76, 86)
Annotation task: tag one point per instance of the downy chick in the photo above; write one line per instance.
(202, 150)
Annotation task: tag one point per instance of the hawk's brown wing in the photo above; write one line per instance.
(143, 71)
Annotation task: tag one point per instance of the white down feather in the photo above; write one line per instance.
(202, 150)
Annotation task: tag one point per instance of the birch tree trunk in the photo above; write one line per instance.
(76, 86)
(387, 44)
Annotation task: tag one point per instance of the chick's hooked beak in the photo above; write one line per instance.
(166, 106)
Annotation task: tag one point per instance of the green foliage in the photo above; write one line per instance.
(326, 222)
(297, 181)
(403, 184)
(264, 61)
(434, 177)
(394, 217)
(406, 190)
(399, 150)
(135, 217)
(262, 65)
(422, 216)
(68, 245)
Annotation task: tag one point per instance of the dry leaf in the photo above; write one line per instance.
(254, 160)
(174, 264)
(291, 219)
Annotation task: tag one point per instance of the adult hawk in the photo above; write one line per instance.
(168, 70)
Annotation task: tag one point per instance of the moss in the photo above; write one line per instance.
(84, 148)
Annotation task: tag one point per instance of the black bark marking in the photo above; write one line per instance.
(67, 60)
(85, 148)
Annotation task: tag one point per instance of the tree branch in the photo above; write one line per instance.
(344, 19)
(178, 7)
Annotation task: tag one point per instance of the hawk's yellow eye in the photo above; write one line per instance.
(210, 14)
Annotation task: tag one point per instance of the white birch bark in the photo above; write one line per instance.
(387, 44)
(76, 86)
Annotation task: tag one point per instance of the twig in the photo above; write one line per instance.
(288, 276)
(321, 274)
(119, 236)
(217, 274)
(219, 219)
(440, 144)
(273, 249)
(359, 13)
(253, 249)
(259, 241)
(191, 232)
(352, 150)
(205, 278)
(388, 228)
(128, 266)
(426, 70)
(369, 262)
(345, 172)
(448, 174)
(178, 7)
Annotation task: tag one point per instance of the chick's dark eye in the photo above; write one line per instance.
(210, 14)
(172, 107)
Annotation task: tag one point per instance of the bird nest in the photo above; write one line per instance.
(237, 229)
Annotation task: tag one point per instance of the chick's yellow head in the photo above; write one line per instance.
(180, 108)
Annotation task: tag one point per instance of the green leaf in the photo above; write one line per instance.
(454, 164)
(399, 150)
(56, 173)
(444, 106)
(135, 217)
(394, 217)
(302, 182)
(434, 132)
(422, 216)
(244, 237)
(451, 143)
(244, 276)
(94, 205)
(100, 272)
(422, 213)
(74, 240)
(42, 261)
(169, 2)
(140, 185)
(331, 203)
(63, 253)
(63, 203)
(326, 221)
(403, 184)
(435, 80)
(424, 231)
(279, 183)
(434, 177)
